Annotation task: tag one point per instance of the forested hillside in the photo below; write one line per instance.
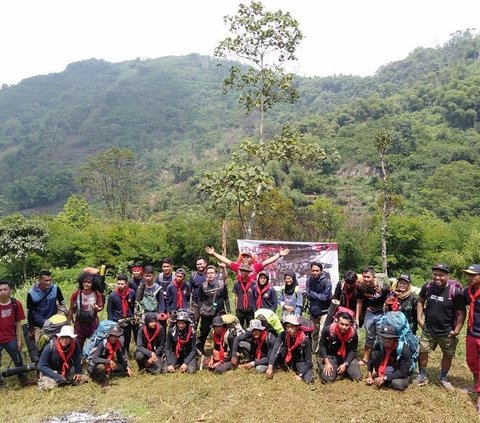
(171, 112)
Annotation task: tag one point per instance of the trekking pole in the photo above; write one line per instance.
(331, 312)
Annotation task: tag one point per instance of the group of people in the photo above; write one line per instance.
(170, 319)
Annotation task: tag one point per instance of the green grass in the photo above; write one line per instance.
(247, 397)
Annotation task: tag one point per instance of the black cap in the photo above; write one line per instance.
(388, 332)
(441, 266)
(405, 278)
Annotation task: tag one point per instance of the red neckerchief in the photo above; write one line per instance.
(65, 356)
(218, 340)
(181, 342)
(124, 297)
(290, 347)
(473, 298)
(384, 364)
(260, 341)
(260, 293)
(150, 338)
(343, 338)
(111, 350)
(179, 287)
(348, 296)
(245, 286)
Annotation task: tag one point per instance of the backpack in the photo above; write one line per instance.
(210, 310)
(98, 336)
(231, 322)
(15, 308)
(50, 328)
(149, 301)
(399, 322)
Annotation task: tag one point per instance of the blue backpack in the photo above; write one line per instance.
(399, 322)
(98, 336)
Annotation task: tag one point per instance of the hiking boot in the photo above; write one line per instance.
(446, 384)
(420, 380)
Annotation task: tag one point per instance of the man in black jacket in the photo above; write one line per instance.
(391, 367)
(338, 348)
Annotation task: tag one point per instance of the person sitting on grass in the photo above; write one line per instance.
(109, 358)
(150, 345)
(61, 361)
(338, 348)
(180, 347)
(220, 360)
(386, 366)
(292, 350)
(256, 345)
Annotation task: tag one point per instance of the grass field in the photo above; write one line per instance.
(246, 397)
(242, 396)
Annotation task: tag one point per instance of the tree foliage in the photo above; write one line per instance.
(112, 176)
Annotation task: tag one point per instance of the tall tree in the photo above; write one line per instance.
(264, 41)
(19, 238)
(111, 175)
(382, 140)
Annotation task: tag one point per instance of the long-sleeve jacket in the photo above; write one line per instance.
(171, 298)
(50, 362)
(329, 346)
(401, 365)
(266, 351)
(188, 351)
(294, 300)
(114, 306)
(99, 355)
(158, 343)
(319, 292)
(210, 293)
(300, 354)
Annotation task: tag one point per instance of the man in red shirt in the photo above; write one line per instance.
(11, 316)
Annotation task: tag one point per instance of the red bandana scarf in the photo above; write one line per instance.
(290, 347)
(348, 295)
(65, 356)
(124, 297)
(111, 350)
(149, 338)
(245, 286)
(179, 286)
(218, 340)
(384, 363)
(473, 299)
(260, 341)
(260, 292)
(343, 338)
(183, 341)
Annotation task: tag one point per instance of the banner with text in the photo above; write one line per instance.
(298, 260)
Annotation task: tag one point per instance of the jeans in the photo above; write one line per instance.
(11, 348)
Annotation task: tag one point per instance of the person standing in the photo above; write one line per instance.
(120, 307)
(11, 316)
(290, 297)
(197, 278)
(440, 314)
(264, 294)
(85, 304)
(472, 297)
(178, 293)
(243, 293)
(319, 293)
(43, 301)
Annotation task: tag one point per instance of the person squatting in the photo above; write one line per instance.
(312, 333)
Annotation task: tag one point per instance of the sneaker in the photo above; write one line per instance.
(420, 380)
(446, 384)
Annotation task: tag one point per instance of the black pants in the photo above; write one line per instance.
(399, 384)
(244, 317)
(191, 367)
(142, 359)
(99, 373)
(353, 370)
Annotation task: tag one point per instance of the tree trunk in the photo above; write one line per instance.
(224, 237)
(384, 219)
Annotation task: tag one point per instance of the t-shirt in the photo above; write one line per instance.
(373, 302)
(440, 310)
(7, 321)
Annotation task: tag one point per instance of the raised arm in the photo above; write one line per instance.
(283, 252)
(210, 251)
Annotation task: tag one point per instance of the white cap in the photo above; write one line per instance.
(67, 331)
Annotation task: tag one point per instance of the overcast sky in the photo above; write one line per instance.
(341, 36)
